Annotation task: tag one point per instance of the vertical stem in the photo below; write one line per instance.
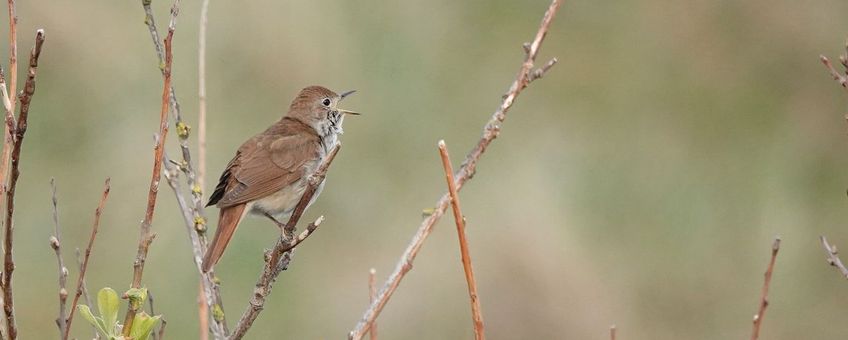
(476, 314)
(201, 89)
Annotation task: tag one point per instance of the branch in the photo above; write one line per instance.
(201, 95)
(20, 130)
(841, 79)
(146, 236)
(8, 129)
(85, 290)
(758, 318)
(56, 244)
(372, 294)
(463, 243)
(833, 257)
(466, 171)
(84, 265)
(210, 286)
(278, 259)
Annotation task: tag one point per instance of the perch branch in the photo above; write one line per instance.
(758, 318)
(476, 314)
(279, 257)
(20, 130)
(146, 236)
(833, 257)
(56, 244)
(84, 264)
(466, 171)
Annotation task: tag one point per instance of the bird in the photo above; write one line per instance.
(270, 171)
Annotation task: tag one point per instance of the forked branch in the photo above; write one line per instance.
(833, 257)
(525, 76)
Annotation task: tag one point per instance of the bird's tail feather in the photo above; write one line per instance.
(227, 224)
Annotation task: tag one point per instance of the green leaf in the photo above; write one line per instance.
(108, 304)
(97, 322)
(143, 325)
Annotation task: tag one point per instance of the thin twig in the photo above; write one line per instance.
(161, 335)
(13, 51)
(202, 311)
(201, 95)
(279, 257)
(56, 244)
(841, 79)
(758, 318)
(10, 93)
(20, 131)
(466, 171)
(833, 257)
(146, 236)
(85, 295)
(84, 265)
(476, 313)
(153, 335)
(372, 294)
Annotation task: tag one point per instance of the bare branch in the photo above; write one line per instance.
(56, 244)
(9, 95)
(833, 257)
(841, 79)
(372, 294)
(466, 171)
(201, 95)
(202, 311)
(20, 130)
(476, 314)
(278, 258)
(146, 236)
(84, 266)
(758, 318)
(84, 291)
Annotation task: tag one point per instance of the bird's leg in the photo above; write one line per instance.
(280, 225)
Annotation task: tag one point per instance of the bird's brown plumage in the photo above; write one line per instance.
(264, 165)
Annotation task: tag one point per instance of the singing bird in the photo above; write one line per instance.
(269, 172)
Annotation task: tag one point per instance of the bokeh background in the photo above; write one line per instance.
(640, 183)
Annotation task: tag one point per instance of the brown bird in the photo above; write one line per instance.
(269, 172)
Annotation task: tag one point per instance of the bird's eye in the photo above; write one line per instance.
(326, 102)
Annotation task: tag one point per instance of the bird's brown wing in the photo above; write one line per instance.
(266, 166)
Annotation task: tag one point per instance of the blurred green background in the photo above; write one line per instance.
(640, 183)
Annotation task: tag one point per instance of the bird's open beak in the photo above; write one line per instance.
(342, 96)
